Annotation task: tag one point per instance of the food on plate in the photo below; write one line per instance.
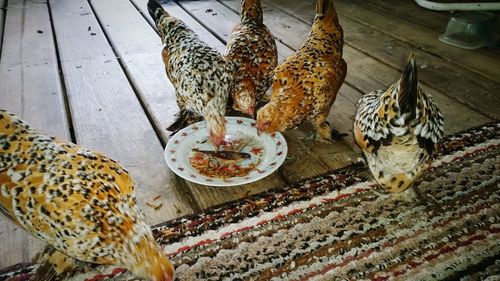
(226, 163)
(236, 141)
(225, 155)
(213, 167)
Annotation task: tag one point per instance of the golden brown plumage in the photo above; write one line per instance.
(79, 201)
(398, 130)
(252, 51)
(305, 84)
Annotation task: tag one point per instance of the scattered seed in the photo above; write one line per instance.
(156, 207)
(177, 210)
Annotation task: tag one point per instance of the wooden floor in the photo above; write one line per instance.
(91, 72)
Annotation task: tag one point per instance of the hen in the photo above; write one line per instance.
(252, 51)
(78, 201)
(398, 130)
(305, 84)
(200, 74)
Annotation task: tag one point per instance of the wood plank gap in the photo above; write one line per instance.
(146, 16)
(3, 17)
(2, 26)
(3, 12)
(64, 92)
(213, 32)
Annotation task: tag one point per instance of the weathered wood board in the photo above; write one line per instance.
(30, 88)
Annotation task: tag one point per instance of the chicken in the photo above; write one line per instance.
(80, 202)
(305, 85)
(252, 51)
(200, 75)
(398, 130)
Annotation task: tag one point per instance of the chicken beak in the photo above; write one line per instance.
(169, 278)
(259, 130)
(217, 140)
(251, 112)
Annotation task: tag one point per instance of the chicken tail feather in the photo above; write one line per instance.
(408, 88)
(325, 9)
(184, 119)
(156, 10)
(251, 10)
(54, 265)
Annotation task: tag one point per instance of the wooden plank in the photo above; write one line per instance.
(29, 87)
(148, 75)
(410, 11)
(2, 24)
(107, 115)
(29, 78)
(452, 80)
(435, 20)
(363, 72)
(420, 37)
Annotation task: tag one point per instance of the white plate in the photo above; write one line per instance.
(179, 149)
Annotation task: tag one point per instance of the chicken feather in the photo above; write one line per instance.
(398, 130)
(200, 75)
(252, 51)
(80, 202)
(305, 85)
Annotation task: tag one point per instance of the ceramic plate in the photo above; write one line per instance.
(268, 150)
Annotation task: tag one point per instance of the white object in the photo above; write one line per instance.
(179, 149)
(472, 6)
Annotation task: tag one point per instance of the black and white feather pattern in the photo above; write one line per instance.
(398, 130)
(427, 124)
(201, 76)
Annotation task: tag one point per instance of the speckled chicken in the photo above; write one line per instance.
(80, 202)
(398, 130)
(199, 73)
(252, 51)
(305, 85)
